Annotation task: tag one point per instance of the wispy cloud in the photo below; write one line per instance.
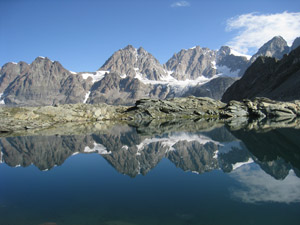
(253, 29)
(180, 4)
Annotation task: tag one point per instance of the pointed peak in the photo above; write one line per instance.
(129, 47)
(277, 40)
(296, 43)
(278, 37)
(141, 50)
(225, 49)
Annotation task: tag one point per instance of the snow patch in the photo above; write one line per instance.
(73, 72)
(227, 147)
(1, 100)
(99, 75)
(233, 52)
(1, 157)
(226, 71)
(123, 76)
(171, 81)
(170, 141)
(240, 164)
(86, 97)
(99, 148)
(214, 64)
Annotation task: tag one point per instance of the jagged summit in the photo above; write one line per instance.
(134, 62)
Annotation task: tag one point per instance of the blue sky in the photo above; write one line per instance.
(83, 34)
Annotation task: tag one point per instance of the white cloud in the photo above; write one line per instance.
(256, 29)
(181, 4)
(257, 186)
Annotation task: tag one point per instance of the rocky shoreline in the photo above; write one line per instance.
(14, 119)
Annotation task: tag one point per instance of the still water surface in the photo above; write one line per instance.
(122, 176)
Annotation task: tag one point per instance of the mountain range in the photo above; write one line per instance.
(130, 74)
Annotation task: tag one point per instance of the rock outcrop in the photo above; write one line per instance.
(22, 118)
(144, 111)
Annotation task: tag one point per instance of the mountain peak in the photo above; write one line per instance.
(276, 47)
(134, 62)
(129, 47)
(296, 43)
(42, 59)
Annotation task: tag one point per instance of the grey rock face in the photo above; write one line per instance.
(276, 48)
(192, 63)
(132, 62)
(295, 44)
(112, 89)
(43, 82)
(268, 77)
(10, 71)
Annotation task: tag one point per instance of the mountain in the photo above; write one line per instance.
(269, 77)
(43, 82)
(275, 48)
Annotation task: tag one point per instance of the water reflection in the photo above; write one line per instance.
(133, 151)
(260, 187)
(226, 171)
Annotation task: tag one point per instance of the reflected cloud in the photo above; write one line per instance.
(257, 186)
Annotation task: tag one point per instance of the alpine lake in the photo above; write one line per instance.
(178, 172)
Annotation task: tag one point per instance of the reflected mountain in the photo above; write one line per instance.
(137, 150)
(276, 151)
